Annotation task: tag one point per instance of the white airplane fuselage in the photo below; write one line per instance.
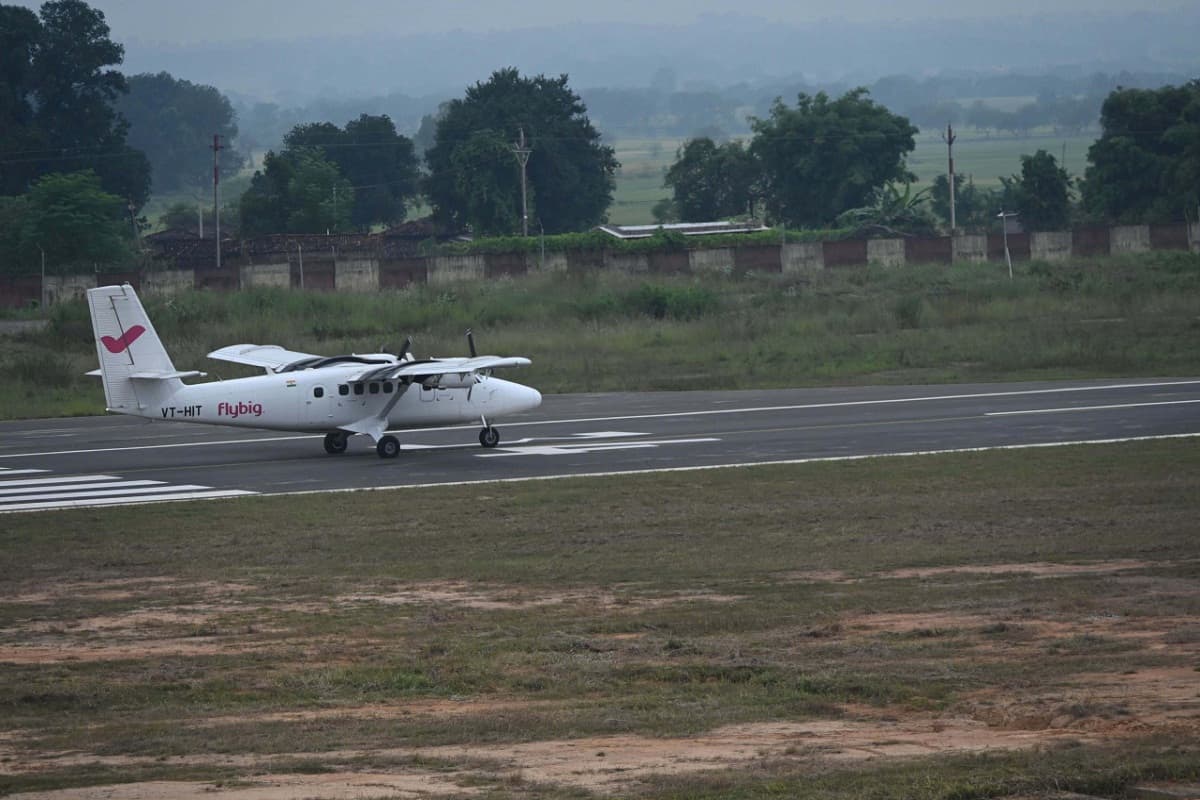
(323, 400)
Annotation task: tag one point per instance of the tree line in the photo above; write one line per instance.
(83, 144)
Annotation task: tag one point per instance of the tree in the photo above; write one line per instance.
(297, 191)
(1145, 167)
(57, 105)
(570, 173)
(1042, 193)
(975, 209)
(378, 162)
(172, 121)
(712, 181)
(826, 156)
(891, 212)
(75, 221)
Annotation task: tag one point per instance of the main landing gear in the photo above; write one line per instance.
(335, 443)
(388, 446)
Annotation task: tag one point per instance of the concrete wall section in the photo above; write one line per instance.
(627, 262)
(60, 288)
(1129, 239)
(885, 252)
(448, 269)
(550, 262)
(719, 260)
(167, 282)
(356, 275)
(802, 257)
(275, 276)
(1050, 245)
(970, 247)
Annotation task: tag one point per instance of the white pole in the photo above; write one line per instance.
(43, 252)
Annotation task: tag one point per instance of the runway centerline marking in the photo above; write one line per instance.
(1089, 408)
(664, 415)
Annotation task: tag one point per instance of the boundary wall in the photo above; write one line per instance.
(362, 271)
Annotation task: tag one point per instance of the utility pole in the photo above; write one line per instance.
(948, 137)
(522, 153)
(217, 147)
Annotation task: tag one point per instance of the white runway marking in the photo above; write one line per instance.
(71, 491)
(1088, 408)
(575, 449)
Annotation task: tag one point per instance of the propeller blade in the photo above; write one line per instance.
(471, 342)
(404, 348)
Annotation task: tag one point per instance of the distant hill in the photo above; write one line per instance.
(715, 51)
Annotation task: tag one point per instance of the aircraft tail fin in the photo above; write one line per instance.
(129, 349)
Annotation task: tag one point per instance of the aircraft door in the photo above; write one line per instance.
(318, 405)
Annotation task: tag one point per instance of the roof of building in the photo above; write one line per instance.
(685, 228)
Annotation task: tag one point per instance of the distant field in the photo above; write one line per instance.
(985, 158)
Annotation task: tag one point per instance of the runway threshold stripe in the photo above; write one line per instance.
(4, 473)
(119, 492)
(111, 501)
(75, 487)
(53, 481)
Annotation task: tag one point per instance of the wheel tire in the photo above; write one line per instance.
(489, 437)
(388, 447)
(335, 443)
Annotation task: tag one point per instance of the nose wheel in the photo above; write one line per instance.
(489, 437)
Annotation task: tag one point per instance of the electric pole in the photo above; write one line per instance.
(948, 137)
(217, 147)
(522, 153)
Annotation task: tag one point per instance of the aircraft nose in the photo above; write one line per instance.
(531, 398)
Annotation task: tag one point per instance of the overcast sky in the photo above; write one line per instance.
(215, 20)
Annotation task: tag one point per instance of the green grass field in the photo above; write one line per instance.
(1134, 315)
(980, 625)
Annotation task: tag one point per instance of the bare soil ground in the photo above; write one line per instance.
(1103, 706)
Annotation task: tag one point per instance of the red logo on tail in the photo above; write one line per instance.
(121, 344)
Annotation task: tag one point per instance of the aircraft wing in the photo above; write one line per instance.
(441, 366)
(267, 356)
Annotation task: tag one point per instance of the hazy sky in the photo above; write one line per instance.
(209, 20)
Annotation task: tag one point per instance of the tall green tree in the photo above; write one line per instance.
(297, 191)
(826, 156)
(570, 172)
(1042, 193)
(57, 111)
(72, 218)
(712, 181)
(1145, 167)
(378, 162)
(173, 121)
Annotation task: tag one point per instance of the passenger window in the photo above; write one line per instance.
(343, 389)
(358, 388)
(318, 392)
(387, 387)
(374, 388)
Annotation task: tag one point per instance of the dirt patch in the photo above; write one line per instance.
(1039, 569)
(328, 786)
(508, 598)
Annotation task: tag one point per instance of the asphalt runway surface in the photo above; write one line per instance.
(113, 460)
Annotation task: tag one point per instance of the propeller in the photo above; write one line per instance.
(404, 348)
(471, 342)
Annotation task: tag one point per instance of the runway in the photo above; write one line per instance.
(99, 461)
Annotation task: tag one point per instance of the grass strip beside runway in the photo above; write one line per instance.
(460, 631)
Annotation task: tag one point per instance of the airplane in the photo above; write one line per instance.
(340, 396)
